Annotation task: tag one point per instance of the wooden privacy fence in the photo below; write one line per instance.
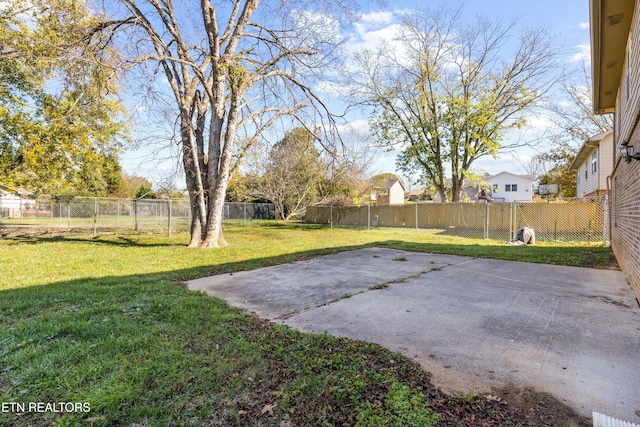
(579, 220)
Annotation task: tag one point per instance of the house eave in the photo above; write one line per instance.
(584, 153)
(610, 22)
(587, 148)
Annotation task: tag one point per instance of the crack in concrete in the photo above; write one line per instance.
(378, 286)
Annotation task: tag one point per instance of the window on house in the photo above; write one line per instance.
(514, 187)
(594, 162)
(383, 192)
(586, 171)
(507, 187)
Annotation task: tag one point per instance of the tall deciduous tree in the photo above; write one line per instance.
(60, 125)
(292, 174)
(574, 122)
(572, 109)
(447, 91)
(345, 181)
(232, 67)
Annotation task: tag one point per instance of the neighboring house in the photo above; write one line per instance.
(391, 194)
(509, 187)
(9, 203)
(593, 165)
(417, 196)
(615, 68)
(469, 192)
(14, 203)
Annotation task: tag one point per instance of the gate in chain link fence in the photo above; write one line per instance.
(105, 215)
(568, 220)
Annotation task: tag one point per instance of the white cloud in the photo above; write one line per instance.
(538, 123)
(505, 163)
(583, 25)
(358, 126)
(583, 53)
(316, 26)
(367, 38)
(332, 89)
(375, 18)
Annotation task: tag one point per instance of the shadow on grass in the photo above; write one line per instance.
(140, 348)
(111, 240)
(592, 257)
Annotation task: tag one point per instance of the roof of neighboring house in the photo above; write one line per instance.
(415, 193)
(528, 177)
(392, 182)
(610, 26)
(587, 148)
(7, 190)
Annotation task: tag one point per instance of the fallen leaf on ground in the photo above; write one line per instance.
(269, 409)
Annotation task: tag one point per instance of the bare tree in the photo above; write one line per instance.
(290, 174)
(347, 172)
(446, 91)
(232, 67)
(574, 122)
(572, 110)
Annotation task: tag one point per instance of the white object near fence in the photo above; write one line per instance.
(601, 420)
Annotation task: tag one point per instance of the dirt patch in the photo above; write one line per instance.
(608, 300)
(267, 405)
(540, 408)
(23, 232)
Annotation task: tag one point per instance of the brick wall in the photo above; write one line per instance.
(625, 227)
(625, 180)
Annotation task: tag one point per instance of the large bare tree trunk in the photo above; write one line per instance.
(245, 75)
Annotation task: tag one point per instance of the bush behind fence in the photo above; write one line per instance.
(566, 220)
(105, 215)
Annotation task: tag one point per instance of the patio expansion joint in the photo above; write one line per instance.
(380, 286)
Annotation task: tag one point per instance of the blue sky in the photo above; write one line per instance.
(567, 20)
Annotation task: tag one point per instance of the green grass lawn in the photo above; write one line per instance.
(104, 321)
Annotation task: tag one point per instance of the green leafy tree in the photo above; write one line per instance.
(145, 192)
(448, 92)
(341, 186)
(558, 161)
(291, 175)
(381, 179)
(345, 182)
(61, 126)
(129, 185)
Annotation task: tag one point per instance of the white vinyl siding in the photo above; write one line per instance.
(592, 174)
(590, 183)
(511, 187)
(396, 194)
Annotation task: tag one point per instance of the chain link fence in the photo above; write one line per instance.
(123, 216)
(582, 220)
